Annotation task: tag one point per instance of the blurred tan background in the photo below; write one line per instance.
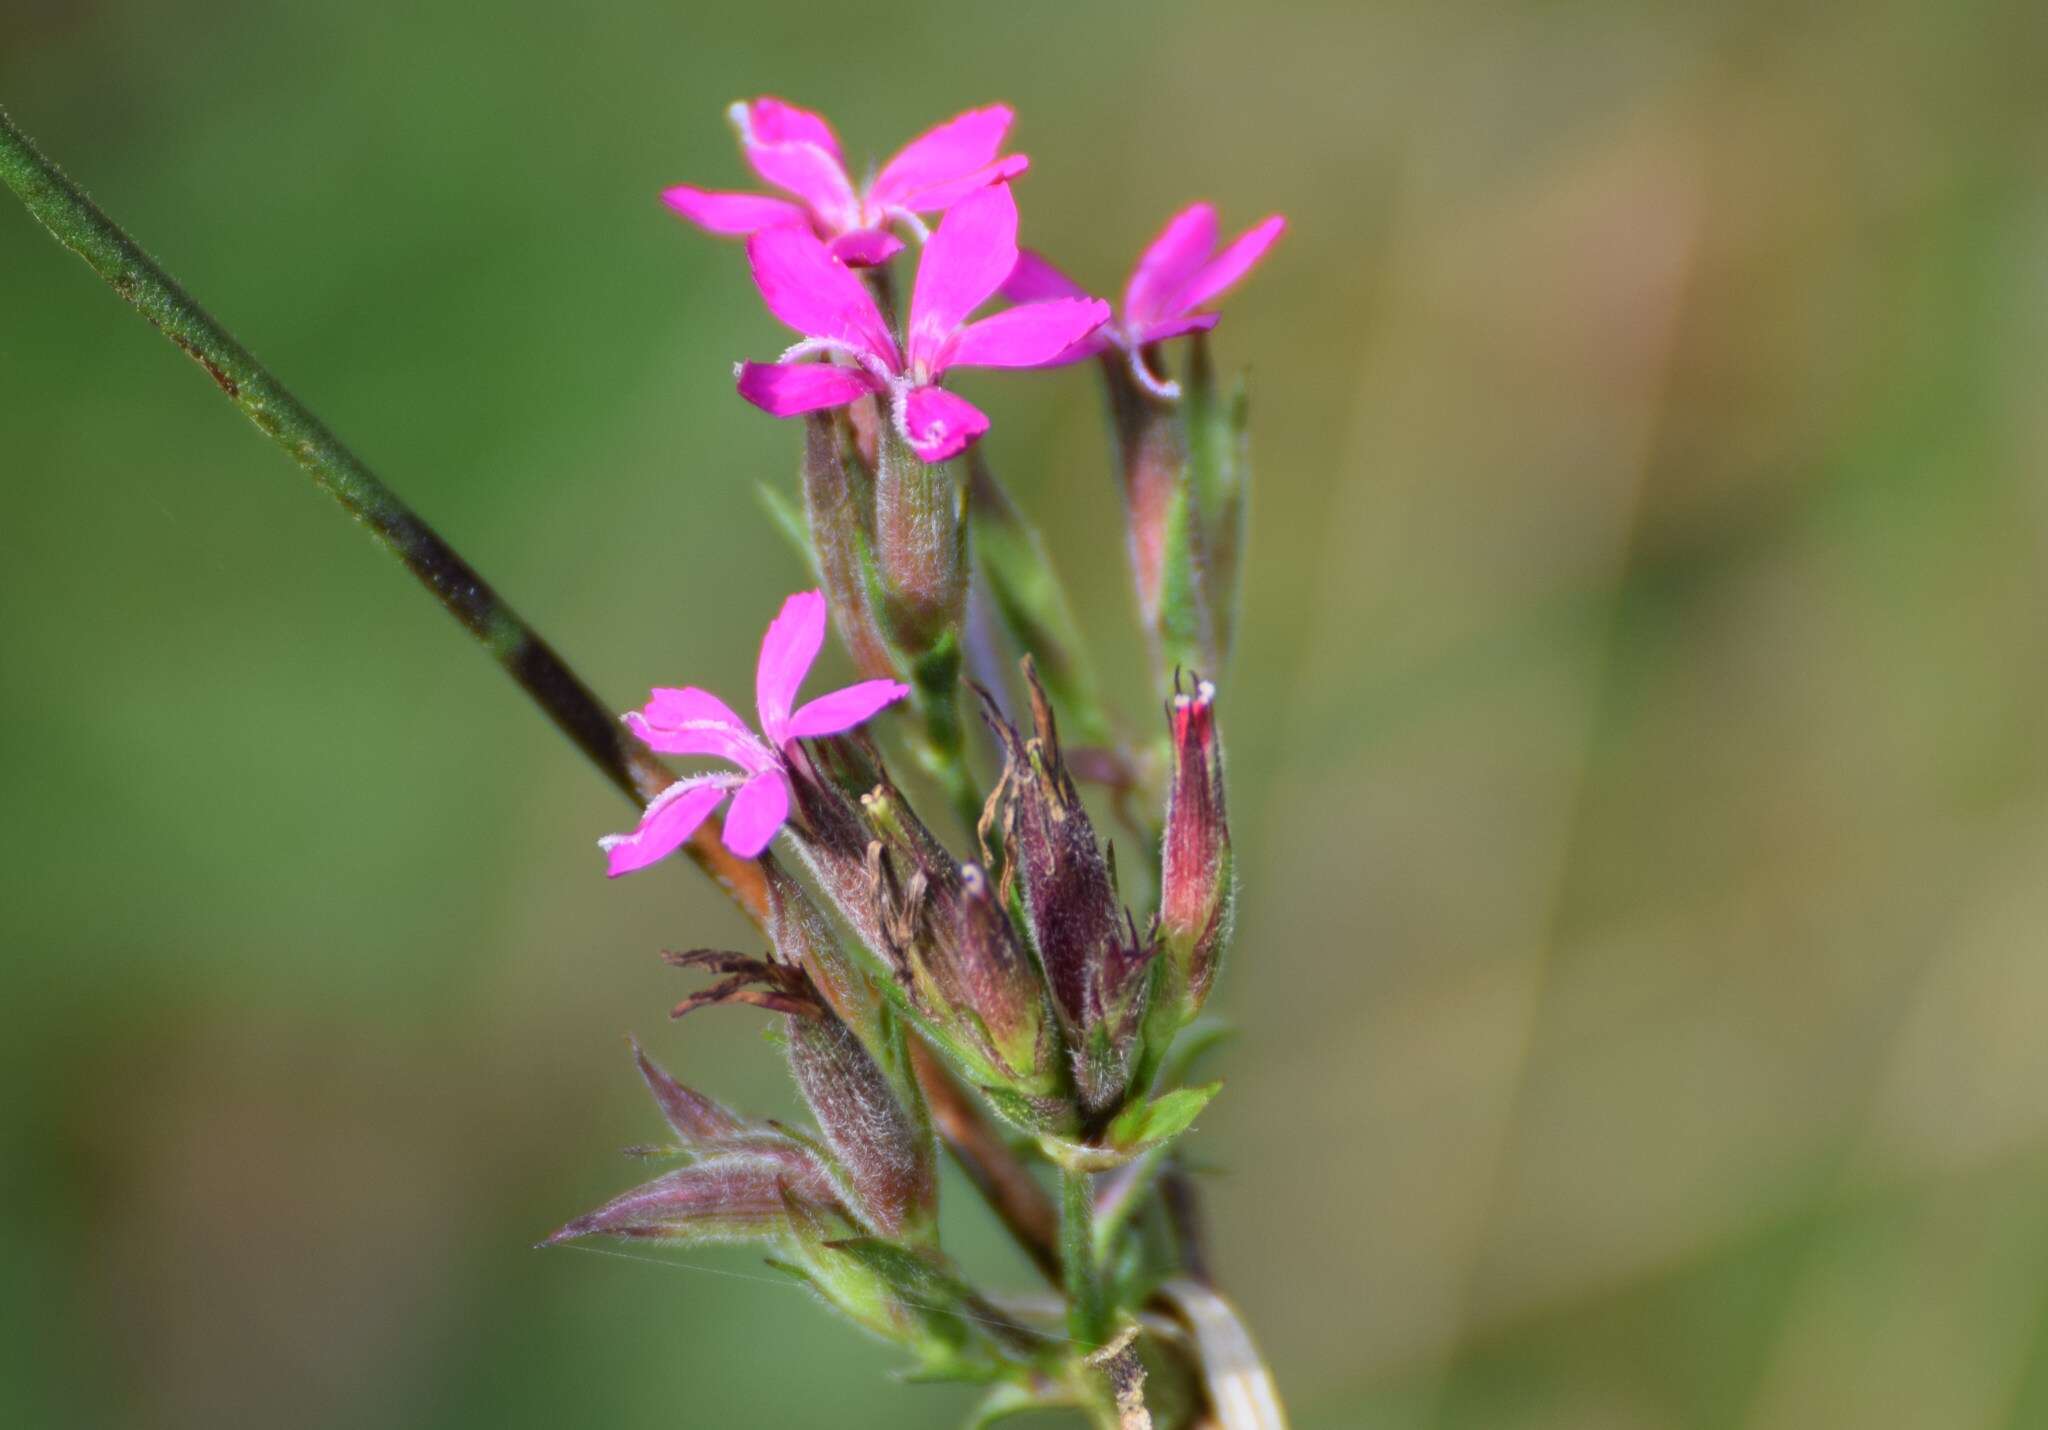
(1637, 754)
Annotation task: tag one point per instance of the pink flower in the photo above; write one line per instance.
(1175, 278)
(796, 151)
(959, 270)
(690, 721)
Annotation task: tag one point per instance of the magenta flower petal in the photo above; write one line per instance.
(758, 810)
(1026, 336)
(1173, 328)
(775, 121)
(966, 260)
(865, 247)
(843, 709)
(1168, 262)
(1228, 266)
(669, 707)
(942, 155)
(785, 389)
(695, 722)
(943, 196)
(670, 819)
(787, 652)
(816, 294)
(811, 174)
(1034, 280)
(730, 213)
(941, 424)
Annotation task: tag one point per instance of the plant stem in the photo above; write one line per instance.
(1182, 1201)
(1088, 1309)
(1003, 1181)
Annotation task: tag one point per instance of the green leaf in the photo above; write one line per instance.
(785, 516)
(1196, 1041)
(1161, 1120)
(955, 1334)
(1010, 1400)
(1031, 601)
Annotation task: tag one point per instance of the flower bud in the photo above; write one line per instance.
(920, 548)
(1162, 523)
(804, 940)
(990, 974)
(935, 923)
(1094, 962)
(1185, 471)
(971, 975)
(831, 834)
(1197, 893)
(888, 1159)
(742, 1182)
(839, 510)
(736, 1197)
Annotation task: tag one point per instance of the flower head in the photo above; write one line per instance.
(797, 152)
(974, 249)
(1179, 274)
(689, 721)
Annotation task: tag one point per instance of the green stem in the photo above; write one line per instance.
(1088, 1311)
(1132, 1194)
(935, 686)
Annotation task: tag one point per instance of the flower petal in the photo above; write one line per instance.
(1168, 262)
(1027, 336)
(758, 810)
(812, 175)
(1227, 267)
(1034, 279)
(671, 818)
(1173, 328)
(669, 706)
(769, 120)
(966, 260)
(942, 155)
(844, 709)
(730, 213)
(816, 294)
(788, 649)
(865, 247)
(940, 424)
(943, 196)
(783, 389)
(690, 721)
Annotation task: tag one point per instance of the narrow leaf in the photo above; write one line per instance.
(1162, 1119)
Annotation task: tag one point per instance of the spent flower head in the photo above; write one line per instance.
(691, 721)
(961, 268)
(797, 152)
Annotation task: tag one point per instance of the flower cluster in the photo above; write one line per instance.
(805, 250)
(1001, 955)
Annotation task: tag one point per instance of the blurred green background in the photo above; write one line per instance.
(1637, 743)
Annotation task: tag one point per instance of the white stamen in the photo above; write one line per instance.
(916, 225)
(1165, 389)
(861, 358)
